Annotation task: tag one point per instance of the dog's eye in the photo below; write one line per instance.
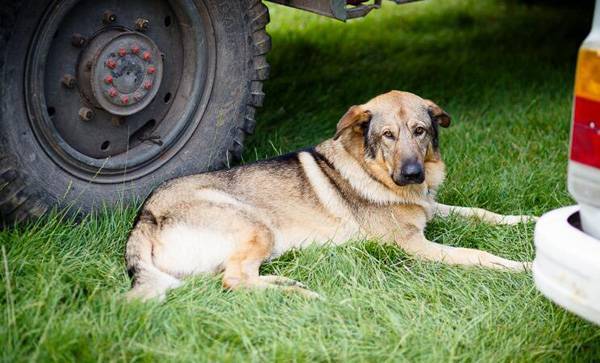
(388, 134)
(419, 131)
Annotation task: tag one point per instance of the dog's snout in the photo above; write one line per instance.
(412, 170)
(410, 173)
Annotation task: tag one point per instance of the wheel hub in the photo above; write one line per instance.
(120, 71)
(104, 101)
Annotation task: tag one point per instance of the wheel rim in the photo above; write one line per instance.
(114, 93)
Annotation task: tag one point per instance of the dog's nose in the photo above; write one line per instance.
(411, 173)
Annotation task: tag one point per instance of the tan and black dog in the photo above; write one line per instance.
(376, 179)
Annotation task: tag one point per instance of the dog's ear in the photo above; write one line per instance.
(356, 117)
(437, 114)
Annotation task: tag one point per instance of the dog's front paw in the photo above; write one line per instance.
(527, 266)
(514, 266)
(516, 219)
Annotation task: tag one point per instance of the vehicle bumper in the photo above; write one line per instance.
(566, 268)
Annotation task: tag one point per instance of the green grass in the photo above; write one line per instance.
(503, 69)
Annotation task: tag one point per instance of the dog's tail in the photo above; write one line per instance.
(148, 281)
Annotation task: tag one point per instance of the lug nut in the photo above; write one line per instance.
(137, 96)
(151, 70)
(108, 17)
(146, 56)
(122, 52)
(68, 81)
(141, 24)
(124, 100)
(86, 114)
(111, 63)
(108, 79)
(147, 85)
(112, 92)
(78, 40)
(135, 49)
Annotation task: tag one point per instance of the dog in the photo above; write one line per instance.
(375, 179)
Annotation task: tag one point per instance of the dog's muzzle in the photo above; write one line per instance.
(410, 173)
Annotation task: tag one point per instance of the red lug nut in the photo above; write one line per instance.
(135, 49)
(108, 79)
(112, 92)
(125, 99)
(146, 56)
(122, 52)
(147, 84)
(111, 63)
(151, 70)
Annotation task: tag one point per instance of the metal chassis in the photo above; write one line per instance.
(337, 9)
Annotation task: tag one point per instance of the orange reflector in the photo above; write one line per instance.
(587, 78)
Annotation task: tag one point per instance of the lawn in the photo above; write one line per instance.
(504, 71)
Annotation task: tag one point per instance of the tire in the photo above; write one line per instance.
(34, 180)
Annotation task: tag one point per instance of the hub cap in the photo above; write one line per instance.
(120, 71)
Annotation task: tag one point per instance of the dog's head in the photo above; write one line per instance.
(398, 134)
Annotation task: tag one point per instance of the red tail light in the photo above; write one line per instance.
(585, 135)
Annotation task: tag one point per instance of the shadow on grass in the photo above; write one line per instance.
(457, 55)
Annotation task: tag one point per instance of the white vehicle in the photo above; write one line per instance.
(567, 264)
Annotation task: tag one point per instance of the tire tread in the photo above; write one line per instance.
(260, 43)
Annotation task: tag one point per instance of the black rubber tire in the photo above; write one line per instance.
(31, 183)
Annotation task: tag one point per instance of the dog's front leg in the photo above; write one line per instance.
(443, 210)
(418, 246)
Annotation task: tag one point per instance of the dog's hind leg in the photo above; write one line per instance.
(443, 210)
(418, 246)
(148, 281)
(151, 283)
(241, 268)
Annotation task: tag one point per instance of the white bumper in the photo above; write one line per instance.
(566, 268)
